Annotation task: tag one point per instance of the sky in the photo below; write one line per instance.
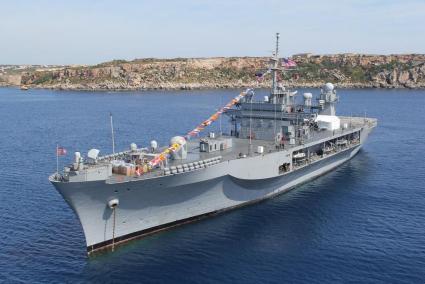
(94, 31)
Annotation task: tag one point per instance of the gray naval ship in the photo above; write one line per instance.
(274, 144)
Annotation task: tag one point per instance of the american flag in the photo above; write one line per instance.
(286, 62)
(60, 151)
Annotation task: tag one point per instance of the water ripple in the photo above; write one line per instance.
(363, 222)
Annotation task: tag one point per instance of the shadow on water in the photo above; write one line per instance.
(362, 222)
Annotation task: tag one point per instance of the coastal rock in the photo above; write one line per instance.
(403, 77)
(347, 70)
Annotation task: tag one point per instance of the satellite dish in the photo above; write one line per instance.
(93, 154)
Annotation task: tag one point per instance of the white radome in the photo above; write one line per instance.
(133, 147)
(308, 95)
(329, 87)
(181, 153)
(178, 139)
(154, 144)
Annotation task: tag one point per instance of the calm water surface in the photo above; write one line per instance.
(364, 222)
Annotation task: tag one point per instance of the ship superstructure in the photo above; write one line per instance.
(274, 144)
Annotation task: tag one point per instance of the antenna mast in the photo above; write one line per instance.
(277, 45)
(275, 68)
(250, 129)
(275, 61)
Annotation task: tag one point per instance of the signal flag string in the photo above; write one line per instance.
(174, 147)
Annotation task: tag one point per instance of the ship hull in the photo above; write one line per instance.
(147, 206)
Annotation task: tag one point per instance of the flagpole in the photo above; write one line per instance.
(112, 134)
(221, 131)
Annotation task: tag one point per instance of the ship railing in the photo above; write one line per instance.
(112, 157)
(334, 149)
(58, 177)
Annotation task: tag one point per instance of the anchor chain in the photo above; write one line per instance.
(113, 204)
(113, 228)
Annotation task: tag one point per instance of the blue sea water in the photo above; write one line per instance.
(363, 222)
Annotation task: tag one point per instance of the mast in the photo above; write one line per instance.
(274, 69)
(275, 61)
(250, 129)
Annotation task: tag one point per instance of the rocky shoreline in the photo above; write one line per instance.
(312, 71)
(199, 86)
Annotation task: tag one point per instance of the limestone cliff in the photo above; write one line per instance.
(346, 70)
(384, 71)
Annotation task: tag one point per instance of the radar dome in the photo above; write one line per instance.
(308, 95)
(328, 87)
(133, 147)
(181, 152)
(154, 145)
(178, 139)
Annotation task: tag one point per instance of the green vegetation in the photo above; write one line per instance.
(356, 73)
(114, 62)
(44, 77)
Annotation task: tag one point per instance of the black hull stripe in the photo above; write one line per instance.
(140, 234)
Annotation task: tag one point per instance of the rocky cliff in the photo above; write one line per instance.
(384, 71)
(345, 70)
